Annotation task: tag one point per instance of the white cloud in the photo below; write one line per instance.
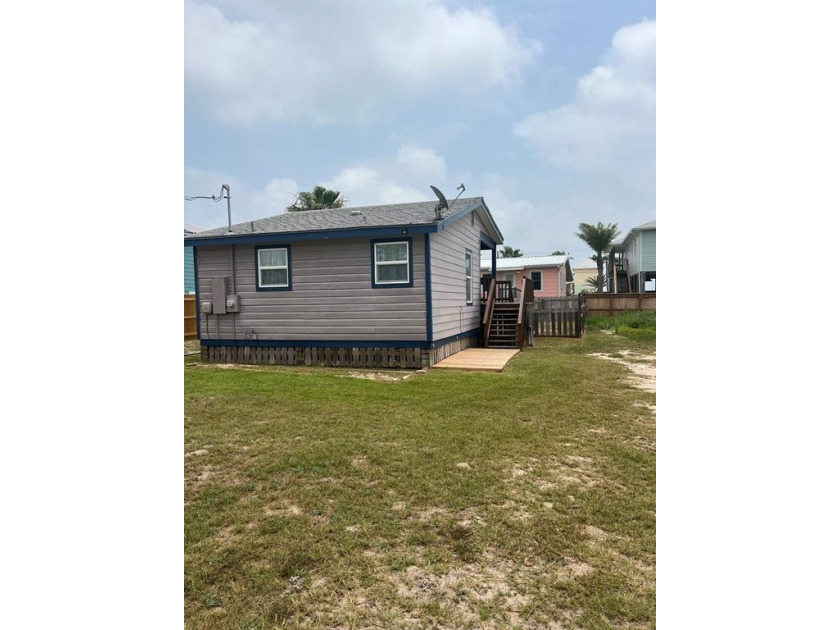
(247, 203)
(404, 178)
(363, 186)
(419, 163)
(329, 61)
(610, 125)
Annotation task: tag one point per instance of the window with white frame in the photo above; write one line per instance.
(273, 268)
(468, 266)
(391, 263)
(536, 277)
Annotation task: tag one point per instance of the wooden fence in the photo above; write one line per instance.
(612, 304)
(190, 329)
(558, 317)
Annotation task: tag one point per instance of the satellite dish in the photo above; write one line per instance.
(443, 202)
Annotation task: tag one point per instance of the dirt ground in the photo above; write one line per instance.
(642, 367)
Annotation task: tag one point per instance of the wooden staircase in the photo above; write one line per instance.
(503, 325)
(622, 282)
(503, 314)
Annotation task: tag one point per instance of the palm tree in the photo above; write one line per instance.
(593, 283)
(598, 237)
(508, 252)
(318, 199)
(559, 252)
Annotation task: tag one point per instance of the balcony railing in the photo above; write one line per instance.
(505, 291)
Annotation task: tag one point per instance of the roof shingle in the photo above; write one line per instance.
(417, 213)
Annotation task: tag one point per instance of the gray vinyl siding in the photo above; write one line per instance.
(648, 242)
(331, 298)
(631, 255)
(450, 313)
(640, 252)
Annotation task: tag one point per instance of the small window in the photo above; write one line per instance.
(273, 269)
(536, 276)
(468, 265)
(391, 263)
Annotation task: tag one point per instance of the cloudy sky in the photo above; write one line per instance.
(546, 109)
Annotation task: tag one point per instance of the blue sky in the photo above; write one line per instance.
(544, 108)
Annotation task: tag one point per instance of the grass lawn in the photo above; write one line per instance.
(527, 498)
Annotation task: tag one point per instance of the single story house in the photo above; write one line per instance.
(189, 265)
(551, 275)
(584, 270)
(377, 286)
(631, 264)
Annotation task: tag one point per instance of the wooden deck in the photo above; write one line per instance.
(481, 359)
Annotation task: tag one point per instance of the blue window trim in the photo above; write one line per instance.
(288, 249)
(391, 285)
(472, 263)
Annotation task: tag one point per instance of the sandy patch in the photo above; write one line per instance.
(378, 376)
(642, 366)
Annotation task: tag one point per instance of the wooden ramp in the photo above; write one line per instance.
(482, 359)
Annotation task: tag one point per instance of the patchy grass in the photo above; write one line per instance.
(637, 325)
(449, 499)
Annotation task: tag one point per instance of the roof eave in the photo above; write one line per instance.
(312, 235)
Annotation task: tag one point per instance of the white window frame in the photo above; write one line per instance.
(469, 283)
(377, 263)
(261, 268)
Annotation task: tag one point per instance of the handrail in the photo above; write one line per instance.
(488, 311)
(527, 298)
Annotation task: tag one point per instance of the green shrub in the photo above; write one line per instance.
(631, 320)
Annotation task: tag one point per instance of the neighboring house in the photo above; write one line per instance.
(631, 264)
(552, 275)
(583, 271)
(399, 280)
(189, 265)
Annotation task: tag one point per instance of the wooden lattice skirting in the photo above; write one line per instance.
(372, 358)
(406, 358)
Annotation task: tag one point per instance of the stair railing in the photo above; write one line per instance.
(527, 298)
(488, 311)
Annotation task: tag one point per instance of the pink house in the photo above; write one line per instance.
(552, 275)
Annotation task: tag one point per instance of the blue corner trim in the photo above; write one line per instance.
(392, 285)
(257, 267)
(486, 241)
(429, 322)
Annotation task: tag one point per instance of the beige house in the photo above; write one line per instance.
(584, 270)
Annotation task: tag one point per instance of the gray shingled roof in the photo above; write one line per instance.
(398, 214)
(189, 228)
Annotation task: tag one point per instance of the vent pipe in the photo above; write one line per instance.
(226, 188)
